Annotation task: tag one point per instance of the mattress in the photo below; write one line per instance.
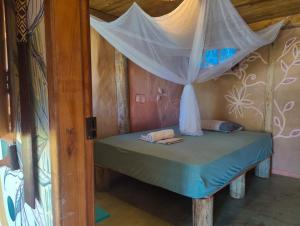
(197, 167)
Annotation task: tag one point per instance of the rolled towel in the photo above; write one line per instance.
(158, 135)
(221, 126)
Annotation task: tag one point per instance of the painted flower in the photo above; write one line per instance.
(238, 101)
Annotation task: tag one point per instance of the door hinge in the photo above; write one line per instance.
(91, 128)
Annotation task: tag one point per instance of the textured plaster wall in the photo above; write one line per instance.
(263, 93)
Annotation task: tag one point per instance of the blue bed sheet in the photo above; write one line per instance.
(197, 167)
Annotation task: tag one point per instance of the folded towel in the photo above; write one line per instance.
(170, 141)
(221, 126)
(158, 135)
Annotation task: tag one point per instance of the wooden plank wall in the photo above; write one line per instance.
(154, 102)
(110, 97)
(104, 86)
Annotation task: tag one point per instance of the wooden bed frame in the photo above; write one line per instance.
(203, 208)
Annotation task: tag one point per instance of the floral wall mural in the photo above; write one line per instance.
(288, 60)
(13, 209)
(266, 83)
(286, 103)
(240, 98)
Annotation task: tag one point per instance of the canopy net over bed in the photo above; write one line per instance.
(198, 41)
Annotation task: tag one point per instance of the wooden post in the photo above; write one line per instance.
(203, 212)
(122, 92)
(237, 187)
(102, 179)
(69, 91)
(263, 169)
(270, 92)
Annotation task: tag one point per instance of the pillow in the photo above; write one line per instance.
(221, 126)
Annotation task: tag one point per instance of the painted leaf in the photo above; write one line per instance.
(242, 93)
(230, 98)
(295, 51)
(19, 199)
(284, 66)
(252, 76)
(289, 43)
(235, 92)
(289, 106)
(11, 208)
(35, 12)
(252, 58)
(243, 66)
(295, 133)
(247, 102)
(277, 121)
(289, 80)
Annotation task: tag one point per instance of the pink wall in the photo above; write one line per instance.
(263, 93)
(154, 102)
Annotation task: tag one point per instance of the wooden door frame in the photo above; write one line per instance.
(70, 102)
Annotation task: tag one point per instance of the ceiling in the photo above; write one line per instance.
(251, 10)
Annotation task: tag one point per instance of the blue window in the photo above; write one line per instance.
(213, 57)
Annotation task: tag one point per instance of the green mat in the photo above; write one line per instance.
(100, 214)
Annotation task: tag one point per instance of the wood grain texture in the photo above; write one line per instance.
(237, 187)
(13, 72)
(122, 89)
(250, 10)
(68, 62)
(105, 97)
(269, 97)
(268, 9)
(102, 15)
(104, 86)
(103, 179)
(203, 212)
(154, 102)
(292, 22)
(88, 109)
(4, 128)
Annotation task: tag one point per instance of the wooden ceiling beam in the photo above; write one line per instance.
(265, 10)
(294, 21)
(104, 16)
(251, 10)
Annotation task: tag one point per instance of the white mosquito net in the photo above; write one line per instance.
(198, 41)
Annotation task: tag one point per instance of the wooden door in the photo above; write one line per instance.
(69, 87)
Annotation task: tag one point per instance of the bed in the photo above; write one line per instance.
(197, 168)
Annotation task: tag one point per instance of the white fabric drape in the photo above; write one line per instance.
(198, 41)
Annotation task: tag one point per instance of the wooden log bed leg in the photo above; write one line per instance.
(263, 169)
(237, 187)
(203, 212)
